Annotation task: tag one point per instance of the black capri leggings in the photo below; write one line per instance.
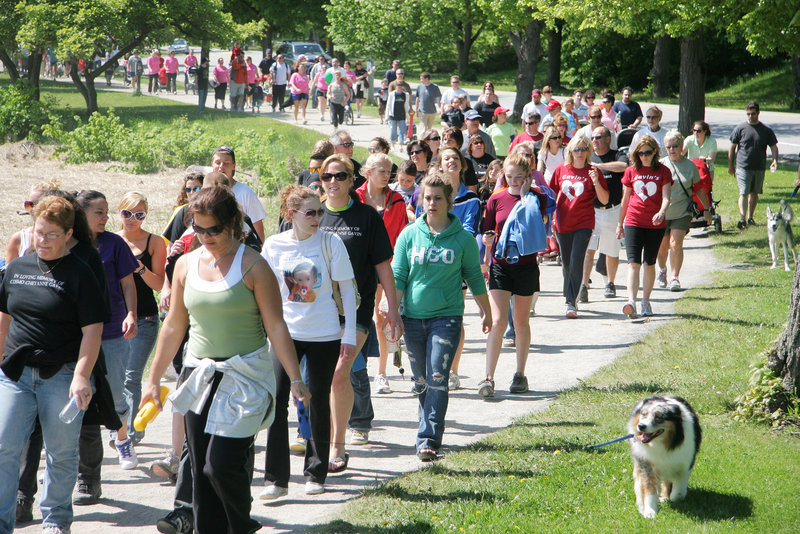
(641, 244)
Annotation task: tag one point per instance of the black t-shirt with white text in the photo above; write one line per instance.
(613, 179)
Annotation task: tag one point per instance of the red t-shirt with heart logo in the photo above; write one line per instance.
(574, 197)
(646, 184)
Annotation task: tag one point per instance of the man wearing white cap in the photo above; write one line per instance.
(472, 119)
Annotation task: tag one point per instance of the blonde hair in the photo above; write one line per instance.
(438, 179)
(517, 160)
(216, 178)
(376, 160)
(323, 146)
(132, 199)
(47, 185)
(578, 140)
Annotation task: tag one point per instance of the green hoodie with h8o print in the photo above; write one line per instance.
(429, 268)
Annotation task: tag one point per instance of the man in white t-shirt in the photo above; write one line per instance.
(653, 129)
(454, 91)
(224, 160)
(280, 72)
(536, 105)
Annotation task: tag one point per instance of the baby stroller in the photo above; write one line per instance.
(705, 183)
(624, 139)
(190, 80)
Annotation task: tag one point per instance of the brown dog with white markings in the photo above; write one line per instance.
(666, 438)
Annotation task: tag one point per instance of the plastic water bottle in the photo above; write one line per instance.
(70, 411)
(302, 421)
(391, 342)
(149, 411)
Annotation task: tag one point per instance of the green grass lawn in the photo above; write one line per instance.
(537, 475)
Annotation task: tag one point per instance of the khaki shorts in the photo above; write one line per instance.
(604, 236)
(682, 223)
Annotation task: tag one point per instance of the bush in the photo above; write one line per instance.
(21, 115)
(147, 148)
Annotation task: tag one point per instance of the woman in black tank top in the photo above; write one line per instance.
(151, 252)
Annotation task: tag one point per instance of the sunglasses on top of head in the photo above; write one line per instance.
(139, 215)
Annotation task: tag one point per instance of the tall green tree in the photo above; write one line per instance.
(524, 24)
(771, 27)
(278, 17)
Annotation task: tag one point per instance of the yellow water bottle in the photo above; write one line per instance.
(148, 412)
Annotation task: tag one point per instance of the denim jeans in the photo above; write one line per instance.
(431, 345)
(116, 354)
(397, 131)
(362, 414)
(20, 403)
(202, 94)
(573, 250)
(139, 349)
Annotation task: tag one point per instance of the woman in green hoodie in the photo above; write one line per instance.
(431, 258)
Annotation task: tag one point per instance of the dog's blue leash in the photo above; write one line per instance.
(623, 438)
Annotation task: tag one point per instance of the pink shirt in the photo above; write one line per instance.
(609, 120)
(322, 85)
(190, 61)
(153, 64)
(251, 73)
(221, 74)
(299, 83)
(171, 64)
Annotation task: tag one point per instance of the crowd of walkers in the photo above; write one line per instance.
(367, 255)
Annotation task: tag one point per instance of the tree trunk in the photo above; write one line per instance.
(784, 360)
(86, 90)
(692, 83)
(660, 73)
(34, 71)
(528, 46)
(464, 44)
(11, 66)
(555, 37)
(266, 41)
(796, 81)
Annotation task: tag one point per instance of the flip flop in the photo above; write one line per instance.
(426, 455)
(337, 465)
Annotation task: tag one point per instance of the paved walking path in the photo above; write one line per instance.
(562, 353)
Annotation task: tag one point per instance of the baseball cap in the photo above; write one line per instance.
(472, 115)
(553, 105)
(537, 92)
(498, 111)
(301, 57)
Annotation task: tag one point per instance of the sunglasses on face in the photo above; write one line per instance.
(314, 187)
(652, 117)
(339, 176)
(697, 130)
(434, 139)
(313, 169)
(139, 215)
(525, 154)
(478, 143)
(373, 148)
(596, 137)
(580, 149)
(192, 189)
(210, 231)
(595, 116)
(310, 214)
(645, 153)
(554, 138)
(530, 123)
(416, 151)
(348, 144)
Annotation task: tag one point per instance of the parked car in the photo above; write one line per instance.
(291, 50)
(179, 46)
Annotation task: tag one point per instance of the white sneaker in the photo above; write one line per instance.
(675, 285)
(358, 437)
(382, 384)
(647, 311)
(298, 445)
(273, 492)
(453, 383)
(314, 488)
(56, 530)
(662, 278)
(127, 454)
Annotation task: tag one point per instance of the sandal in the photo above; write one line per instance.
(339, 464)
(426, 455)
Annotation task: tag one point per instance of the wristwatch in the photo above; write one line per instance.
(140, 271)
